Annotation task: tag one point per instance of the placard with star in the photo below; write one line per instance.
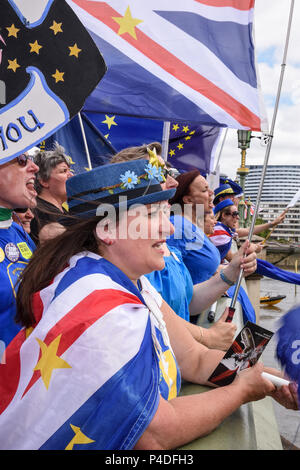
(49, 64)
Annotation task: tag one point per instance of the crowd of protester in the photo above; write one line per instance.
(181, 263)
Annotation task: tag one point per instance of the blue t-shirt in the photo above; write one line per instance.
(199, 255)
(174, 283)
(16, 248)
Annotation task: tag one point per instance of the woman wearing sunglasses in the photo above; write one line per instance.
(16, 191)
(227, 227)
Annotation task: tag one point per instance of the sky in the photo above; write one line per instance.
(270, 29)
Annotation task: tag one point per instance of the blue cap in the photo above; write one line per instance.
(222, 205)
(223, 190)
(237, 189)
(137, 180)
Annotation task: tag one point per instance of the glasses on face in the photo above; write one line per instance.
(23, 159)
(233, 214)
(172, 172)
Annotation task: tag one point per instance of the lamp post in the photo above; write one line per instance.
(244, 137)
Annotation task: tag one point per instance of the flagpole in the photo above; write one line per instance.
(221, 149)
(85, 142)
(268, 149)
(165, 140)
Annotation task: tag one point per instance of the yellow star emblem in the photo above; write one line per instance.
(110, 121)
(59, 76)
(79, 438)
(49, 360)
(13, 65)
(175, 127)
(74, 50)
(56, 27)
(127, 23)
(35, 47)
(180, 146)
(185, 128)
(188, 137)
(12, 31)
(172, 153)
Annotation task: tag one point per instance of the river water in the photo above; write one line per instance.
(288, 420)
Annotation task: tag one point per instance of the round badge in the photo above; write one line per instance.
(12, 252)
(2, 255)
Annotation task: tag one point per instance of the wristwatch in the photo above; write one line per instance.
(225, 278)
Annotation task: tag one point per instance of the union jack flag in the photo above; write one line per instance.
(175, 60)
(90, 374)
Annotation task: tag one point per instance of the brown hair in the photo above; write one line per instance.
(51, 258)
(136, 153)
(184, 181)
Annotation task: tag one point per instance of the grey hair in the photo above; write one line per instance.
(47, 161)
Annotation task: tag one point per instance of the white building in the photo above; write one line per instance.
(280, 185)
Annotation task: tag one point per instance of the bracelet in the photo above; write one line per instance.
(225, 278)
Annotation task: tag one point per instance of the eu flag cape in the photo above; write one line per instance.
(87, 376)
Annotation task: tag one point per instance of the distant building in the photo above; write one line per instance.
(280, 185)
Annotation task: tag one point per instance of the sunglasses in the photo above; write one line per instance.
(233, 214)
(23, 159)
(21, 210)
(172, 172)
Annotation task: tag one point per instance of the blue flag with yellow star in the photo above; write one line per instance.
(70, 137)
(192, 147)
(49, 64)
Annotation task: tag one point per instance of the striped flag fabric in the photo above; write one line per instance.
(88, 375)
(176, 61)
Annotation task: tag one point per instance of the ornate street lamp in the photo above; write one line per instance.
(244, 138)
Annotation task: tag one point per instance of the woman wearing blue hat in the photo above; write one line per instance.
(99, 362)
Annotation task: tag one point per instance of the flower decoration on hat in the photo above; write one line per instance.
(129, 179)
(154, 162)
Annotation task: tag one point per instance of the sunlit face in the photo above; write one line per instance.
(230, 217)
(200, 193)
(56, 184)
(24, 219)
(138, 247)
(209, 223)
(17, 184)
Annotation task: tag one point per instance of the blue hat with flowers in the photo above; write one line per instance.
(119, 184)
(222, 205)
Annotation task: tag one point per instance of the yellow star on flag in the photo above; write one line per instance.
(172, 153)
(49, 360)
(127, 23)
(59, 76)
(110, 121)
(188, 137)
(185, 128)
(175, 127)
(35, 47)
(74, 50)
(13, 65)
(56, 27)
(180, 146)
(12, 31)
(79, 438)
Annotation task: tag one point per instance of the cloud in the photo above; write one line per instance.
(271, 20)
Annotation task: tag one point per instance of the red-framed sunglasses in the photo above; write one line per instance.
(23, 159)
